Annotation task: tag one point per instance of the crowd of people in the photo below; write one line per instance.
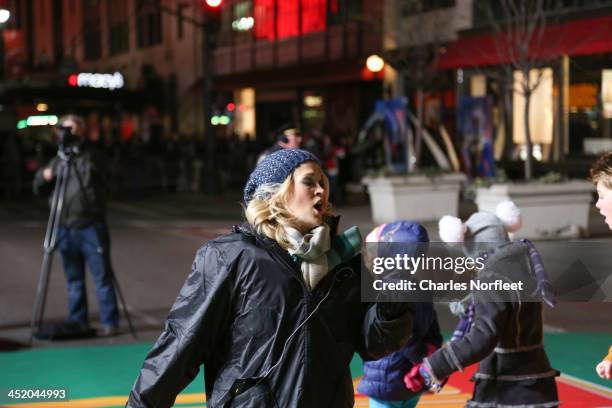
(137, 167)
(168, 164)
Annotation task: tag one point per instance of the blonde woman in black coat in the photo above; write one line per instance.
(273, 309)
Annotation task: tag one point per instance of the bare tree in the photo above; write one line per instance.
(519, 27)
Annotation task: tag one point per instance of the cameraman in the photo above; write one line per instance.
(83, 233)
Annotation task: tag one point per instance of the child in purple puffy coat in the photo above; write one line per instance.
(383, 380)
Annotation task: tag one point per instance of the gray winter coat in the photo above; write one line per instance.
(507, 338)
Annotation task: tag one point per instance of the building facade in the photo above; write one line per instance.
(470, 58)
(299, 62)
(153, 47)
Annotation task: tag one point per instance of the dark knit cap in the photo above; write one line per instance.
(275, 168)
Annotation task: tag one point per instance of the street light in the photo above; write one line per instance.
(4, 16)
(374, 63)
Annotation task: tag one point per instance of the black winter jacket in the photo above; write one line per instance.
(245, 314)
(506, 337)
(87, 188)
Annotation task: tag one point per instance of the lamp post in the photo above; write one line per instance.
(210, 24)
(5, 15)
(210, 29)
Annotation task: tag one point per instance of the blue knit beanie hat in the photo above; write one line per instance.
(400, 237)
(403, 231)
(275, 168)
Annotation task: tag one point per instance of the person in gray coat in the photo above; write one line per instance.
(506, 334)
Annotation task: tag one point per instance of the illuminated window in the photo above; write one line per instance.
(264, 20)
(313, 16)
(242, 22)
(606, 92)
(287, 23)
(540, 108)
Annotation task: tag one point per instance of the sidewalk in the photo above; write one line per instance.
(227, 207)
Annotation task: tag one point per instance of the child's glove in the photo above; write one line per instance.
(414, 380)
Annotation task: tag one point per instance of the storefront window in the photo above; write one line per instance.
(313, 112)
(606, 93)
(587, 121)
(540, 107)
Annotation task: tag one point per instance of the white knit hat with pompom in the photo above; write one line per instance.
(510, 215)
(451, 229)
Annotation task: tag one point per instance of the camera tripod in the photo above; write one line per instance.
(66, 154)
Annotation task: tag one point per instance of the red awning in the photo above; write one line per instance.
(578, 37)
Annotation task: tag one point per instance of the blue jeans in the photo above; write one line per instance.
(411, 403)
(89, 245)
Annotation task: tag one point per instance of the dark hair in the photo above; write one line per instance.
(284, 131)
(78, 121)
(602, 170)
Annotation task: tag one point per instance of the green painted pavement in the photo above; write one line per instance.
(111, 370)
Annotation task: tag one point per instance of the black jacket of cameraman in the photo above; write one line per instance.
(87, 188)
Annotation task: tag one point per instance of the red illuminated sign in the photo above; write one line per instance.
(73, 80)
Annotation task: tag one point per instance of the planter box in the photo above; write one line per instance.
(556, 210)
(416, 197)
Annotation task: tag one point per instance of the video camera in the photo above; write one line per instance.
(68, 142)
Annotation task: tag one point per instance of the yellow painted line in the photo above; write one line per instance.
(77, 403)
(100, 402)
(450, 397)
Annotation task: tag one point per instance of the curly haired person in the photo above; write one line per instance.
(601, 174)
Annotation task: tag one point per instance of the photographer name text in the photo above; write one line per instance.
(429, 285)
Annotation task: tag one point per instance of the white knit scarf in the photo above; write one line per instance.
(311, 249)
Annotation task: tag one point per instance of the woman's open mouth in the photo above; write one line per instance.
(319, 207)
